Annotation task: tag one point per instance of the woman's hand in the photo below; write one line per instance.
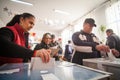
(44, 54)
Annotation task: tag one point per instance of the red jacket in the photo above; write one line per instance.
(19, 39)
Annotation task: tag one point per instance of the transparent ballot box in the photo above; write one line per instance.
(62, 71)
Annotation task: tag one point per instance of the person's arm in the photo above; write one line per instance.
(9, 49)
(83, 44)
(38, 47)
(41, 46)
(111, 42)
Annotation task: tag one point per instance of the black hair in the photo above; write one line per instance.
(44, 35)
(16, 18)
(91, 21)
(69, 41)
(109, 30)
(52, 36)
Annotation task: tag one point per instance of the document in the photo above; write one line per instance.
(111, 56)
(49, 76)
(54, 50)
(37, 64)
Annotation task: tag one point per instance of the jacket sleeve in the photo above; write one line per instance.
(9, 49)
(111, 42)
(38, 47)
(84, 44)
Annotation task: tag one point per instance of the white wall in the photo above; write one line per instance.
(100, 19)
(39, 33)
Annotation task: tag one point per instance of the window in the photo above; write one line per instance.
(113, 17)
(66, 35)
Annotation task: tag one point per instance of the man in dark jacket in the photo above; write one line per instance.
(113, 41)
(86, 44)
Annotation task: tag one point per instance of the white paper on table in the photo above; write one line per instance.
(37, 64)
(10, 71)
(49, 76)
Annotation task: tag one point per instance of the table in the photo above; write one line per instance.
(63, 70)
(105, 65)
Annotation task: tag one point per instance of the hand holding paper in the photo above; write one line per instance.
(44, 54)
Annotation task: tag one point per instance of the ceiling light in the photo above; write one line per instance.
(62, 12)
(18, 1)
(53, 22)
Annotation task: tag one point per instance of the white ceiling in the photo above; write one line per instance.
(43, 9)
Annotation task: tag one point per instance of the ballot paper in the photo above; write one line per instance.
(111, 56)
(49, 76)
(10, 71)
(37, 64)
(54, 50)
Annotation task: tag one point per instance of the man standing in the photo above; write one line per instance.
(68, 51)
(113, 41)
(86, 43)
(54, 44)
